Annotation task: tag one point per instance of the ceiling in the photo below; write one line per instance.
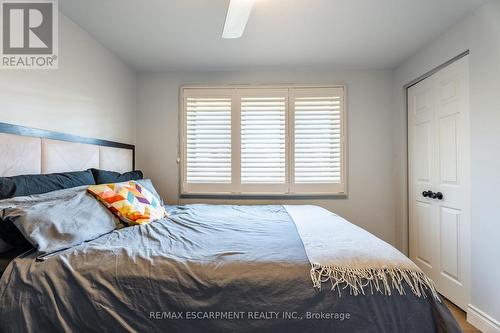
(152, 35)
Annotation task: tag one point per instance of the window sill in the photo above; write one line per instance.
(264, 196)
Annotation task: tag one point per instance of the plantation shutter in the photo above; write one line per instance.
(273, 140)
(318, 139)
(263, 136)
(208, 138)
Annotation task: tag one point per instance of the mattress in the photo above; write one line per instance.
(206, 268)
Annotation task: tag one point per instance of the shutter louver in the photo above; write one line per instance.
(317, 140)
(263, 135)
(208, 140)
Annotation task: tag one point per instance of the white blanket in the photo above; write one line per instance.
(350, 257)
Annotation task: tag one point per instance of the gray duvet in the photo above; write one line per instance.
(204, 269)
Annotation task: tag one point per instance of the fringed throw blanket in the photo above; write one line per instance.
(350, 257)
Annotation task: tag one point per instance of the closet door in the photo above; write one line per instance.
(439, 179)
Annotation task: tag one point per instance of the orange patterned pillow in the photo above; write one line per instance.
(130, 201)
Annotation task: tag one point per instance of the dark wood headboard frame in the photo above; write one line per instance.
(39, 133)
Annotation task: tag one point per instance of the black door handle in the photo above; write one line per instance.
(433, 195)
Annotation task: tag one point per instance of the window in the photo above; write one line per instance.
(263, 140)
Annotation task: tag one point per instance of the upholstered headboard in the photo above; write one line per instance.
(25, 150)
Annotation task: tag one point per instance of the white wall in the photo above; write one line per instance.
(481, 34)
(92, 94)
(371, 200)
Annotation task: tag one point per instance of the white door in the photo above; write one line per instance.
(439, 179)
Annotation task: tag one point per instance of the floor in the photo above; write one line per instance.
(459, 315)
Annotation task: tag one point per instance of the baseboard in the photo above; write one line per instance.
(482, 321)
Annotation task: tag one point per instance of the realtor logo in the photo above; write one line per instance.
(29, 37)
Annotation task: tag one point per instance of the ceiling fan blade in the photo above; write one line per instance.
(236, 18)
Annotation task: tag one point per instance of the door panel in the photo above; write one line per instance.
(424, 233)
(450, 243)
(423, 135)
(448, 90)
(448, 147)
(439, 161)
(422, 102)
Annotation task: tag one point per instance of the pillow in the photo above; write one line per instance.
(108, 177)
(10, 235)
(60, 219)
(130, 201)
(18, 186)
(4, 246)
(35, 184)
(7, 257)
(148, 184)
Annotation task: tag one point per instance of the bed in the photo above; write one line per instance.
(211, 268)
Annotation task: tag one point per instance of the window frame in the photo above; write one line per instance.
(289, 189)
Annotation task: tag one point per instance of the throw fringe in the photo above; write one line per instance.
(381, 280)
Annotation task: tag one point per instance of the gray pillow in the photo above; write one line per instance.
(148, 184)
(61, 219)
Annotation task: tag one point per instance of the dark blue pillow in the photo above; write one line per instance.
(107, 177)
(19, 186)
(11, 235)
